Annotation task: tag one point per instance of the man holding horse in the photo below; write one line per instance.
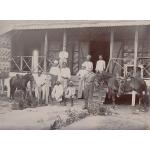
(89, 79)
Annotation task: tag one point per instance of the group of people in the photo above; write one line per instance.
(87, 78)
(57, 84)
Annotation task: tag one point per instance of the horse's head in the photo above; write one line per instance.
(29, 77)
(103, 77)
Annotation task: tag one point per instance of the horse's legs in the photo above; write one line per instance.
(12, 92)
(113, 101)
(72, 101)
(143, 102)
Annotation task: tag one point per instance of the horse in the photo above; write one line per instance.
(119, 86)
(20, 82)
(137, 84)
(108, 80)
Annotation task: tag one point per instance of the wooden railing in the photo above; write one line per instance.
(120, 66)
(25, 64)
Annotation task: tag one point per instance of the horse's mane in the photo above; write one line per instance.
(26, 75)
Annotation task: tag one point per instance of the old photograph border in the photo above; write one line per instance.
(100, 10)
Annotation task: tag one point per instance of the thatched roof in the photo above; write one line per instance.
(9, 25)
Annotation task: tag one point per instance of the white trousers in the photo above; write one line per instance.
(45, 93)
(38, 93)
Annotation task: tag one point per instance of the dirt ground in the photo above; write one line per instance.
(124, 117)
(31, 118)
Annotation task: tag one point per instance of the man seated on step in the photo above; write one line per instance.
(70, 93)
(57, 92)
(65, 75)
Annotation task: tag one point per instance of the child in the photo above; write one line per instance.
(57, 92)
(70, 92)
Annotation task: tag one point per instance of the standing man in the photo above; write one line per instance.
(46, 88)
(100, 65)
(63, 57)
(89, 80)
(81, 75)
(40, 79)
(65, 75)
(88, 63)
(54, 72)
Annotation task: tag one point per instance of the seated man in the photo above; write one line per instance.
(65, 75)
(57, 92)
(70, 92)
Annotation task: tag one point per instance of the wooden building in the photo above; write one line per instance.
(120, 43)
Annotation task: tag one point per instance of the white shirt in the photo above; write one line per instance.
(54, 71)
(48, 79)
(40, 80)
(88, 65)
(65, 73)
(100, 66)
(70, 92)
(57, 92)
(81, 73)
(63, 54)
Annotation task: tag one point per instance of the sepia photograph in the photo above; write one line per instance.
(74, 74)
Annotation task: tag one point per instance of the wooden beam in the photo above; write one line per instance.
(111, 47)
(135, 62)
(45, 52)
(135, 50)
(65, 40)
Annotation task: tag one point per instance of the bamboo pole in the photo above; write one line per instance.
(64, 41)
(135, 62)
(135, 50)
(111, 47)
(45, 52)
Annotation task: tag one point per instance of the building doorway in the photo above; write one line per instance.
(99, 48)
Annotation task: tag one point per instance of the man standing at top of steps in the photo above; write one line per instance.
(100, 65)
(88, 63)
